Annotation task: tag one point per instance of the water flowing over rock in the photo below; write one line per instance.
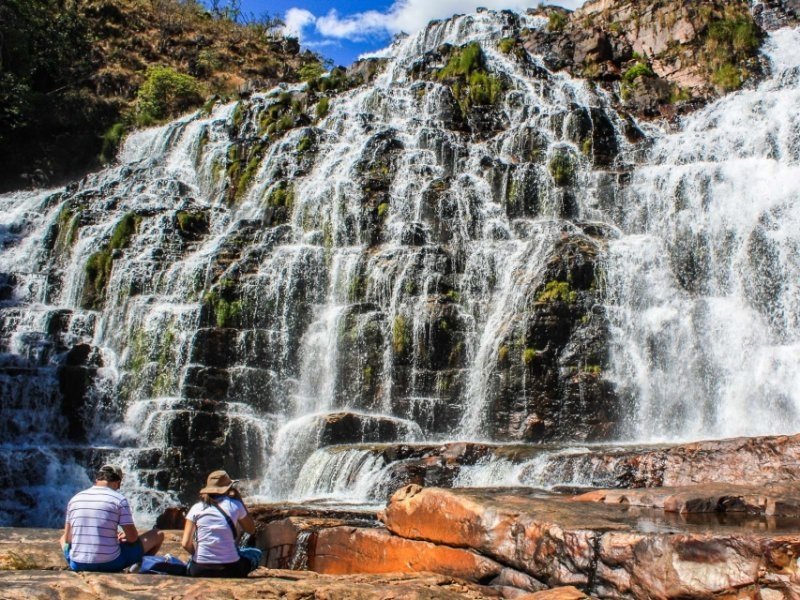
(470, 247)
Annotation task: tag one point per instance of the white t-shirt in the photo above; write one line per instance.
(215, 543)
(93, 516)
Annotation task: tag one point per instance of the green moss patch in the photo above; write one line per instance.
(557, 291)
(470, 81)
(98, 267)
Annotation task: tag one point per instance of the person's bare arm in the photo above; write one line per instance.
(66, 537)
(129, 534)
(248, 524)
(187, 541)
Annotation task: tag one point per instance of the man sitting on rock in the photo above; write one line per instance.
(91, 539)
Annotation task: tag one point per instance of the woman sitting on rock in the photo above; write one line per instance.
(210, 534)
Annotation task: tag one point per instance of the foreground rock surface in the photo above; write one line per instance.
(19, 585)
(611, 551)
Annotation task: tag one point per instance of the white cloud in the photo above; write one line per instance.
(297, 19)
(354, 27)
(403, 15)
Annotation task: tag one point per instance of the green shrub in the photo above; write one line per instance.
(383, 209)
(728, 77)
(463, 62)
(502, 355)
(730, 42)
(311, 71)
(556, 21)
(165, 93)
(484, 89)
(638, 70)
(472, 85)
(224, 304)
(506, 45)
(323, 107)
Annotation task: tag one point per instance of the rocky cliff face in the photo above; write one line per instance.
(460, 241)
(660, 57)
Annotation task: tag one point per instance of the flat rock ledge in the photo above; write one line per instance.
(609, 550)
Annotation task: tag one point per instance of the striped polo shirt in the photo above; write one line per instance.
(94, 515)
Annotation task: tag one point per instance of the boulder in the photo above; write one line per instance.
(354, 428)
(342, 550)
(618, 551)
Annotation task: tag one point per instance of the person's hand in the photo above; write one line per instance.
(122, 537)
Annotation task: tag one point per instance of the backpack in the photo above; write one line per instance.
(163, 565)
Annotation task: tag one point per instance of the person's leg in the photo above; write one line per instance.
(241, 568)
(151, 541)
(113, 566)
(196, 570)
(131, 553)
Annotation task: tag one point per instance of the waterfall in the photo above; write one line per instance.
(408, 267)
(704, 288)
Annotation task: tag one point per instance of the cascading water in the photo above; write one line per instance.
(276, 298)
(704, 288)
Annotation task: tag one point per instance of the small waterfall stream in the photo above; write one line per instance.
(405, 269)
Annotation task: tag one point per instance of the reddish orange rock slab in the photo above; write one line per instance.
(342, 550)
(609, 550)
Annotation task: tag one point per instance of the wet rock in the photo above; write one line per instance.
(550, 381)
(739, 461)
(781, 500)
(352, 428)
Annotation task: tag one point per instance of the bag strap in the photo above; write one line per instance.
(227, 518)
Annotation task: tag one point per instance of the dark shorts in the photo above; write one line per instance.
(240, 568)
(130, 553)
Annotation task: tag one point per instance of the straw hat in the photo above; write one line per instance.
(218, 483)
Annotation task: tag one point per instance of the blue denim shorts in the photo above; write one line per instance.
(130, 553)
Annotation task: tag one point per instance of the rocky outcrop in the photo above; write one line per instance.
(742, 461)
(605, 552)
(663, 56)
(769, 462)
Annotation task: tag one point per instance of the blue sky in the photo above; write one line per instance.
(343, 29)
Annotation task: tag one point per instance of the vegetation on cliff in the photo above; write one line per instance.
(74, 76)
(659, 57)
